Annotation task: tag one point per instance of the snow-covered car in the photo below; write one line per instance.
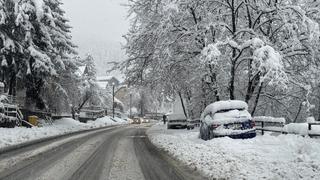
(176, 121)
(227, 118)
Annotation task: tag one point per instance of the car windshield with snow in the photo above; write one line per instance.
(227, 118)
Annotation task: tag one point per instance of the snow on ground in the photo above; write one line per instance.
(12, 136)
(263, 157)
(301, 128)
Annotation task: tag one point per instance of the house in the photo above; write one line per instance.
(104, 81)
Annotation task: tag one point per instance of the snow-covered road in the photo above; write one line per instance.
(112, 153)
(264, 157)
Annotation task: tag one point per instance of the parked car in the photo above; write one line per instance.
(190, 125)
(193, 123)
(176, 121)
(227, 118)
(136, 120)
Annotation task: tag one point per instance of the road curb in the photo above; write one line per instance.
(38, 141)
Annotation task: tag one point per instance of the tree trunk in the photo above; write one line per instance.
(231, 86)
(213, 78)
(12, 85)
(233, 61)
(83, 103)
(319, 111)
(298, 113)
(190, 110)
(182, 103)
(257, 100)
(73, 112)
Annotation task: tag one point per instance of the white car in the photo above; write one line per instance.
(227, 118)
(176, 121)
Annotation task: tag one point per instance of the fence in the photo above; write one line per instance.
(271, 124)
(278, 125)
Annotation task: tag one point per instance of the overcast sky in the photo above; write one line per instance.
(103, 20)
(98, 27)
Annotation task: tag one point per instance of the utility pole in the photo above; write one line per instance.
(113, 100)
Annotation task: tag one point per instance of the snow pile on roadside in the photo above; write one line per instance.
(269, 119)
(263, 157)
(107, 121)
(12, 136)
(301, 128)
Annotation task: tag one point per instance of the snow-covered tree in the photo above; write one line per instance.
(230, 49)
(35, 44)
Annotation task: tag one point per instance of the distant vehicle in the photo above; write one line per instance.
(192, 123)
(145, 120)
(136, 120)
(176, 121)
(227, 118)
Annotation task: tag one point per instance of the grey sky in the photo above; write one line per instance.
(98, 26)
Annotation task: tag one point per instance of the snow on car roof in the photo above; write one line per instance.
(224, 105)
(176, 116)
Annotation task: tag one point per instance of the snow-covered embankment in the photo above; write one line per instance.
(9, 137)
(263, 157)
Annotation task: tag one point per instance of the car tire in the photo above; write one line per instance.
(168, 127)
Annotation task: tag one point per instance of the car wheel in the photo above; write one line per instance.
(168, 127)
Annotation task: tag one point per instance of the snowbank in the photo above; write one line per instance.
(63, 126)
(263, 157)
(301, 128)
(269, 119)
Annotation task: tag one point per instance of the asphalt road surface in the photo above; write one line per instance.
(116, 153)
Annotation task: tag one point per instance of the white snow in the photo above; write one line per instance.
(210, 53)
(311, 119)
(223, 105)
(176, 116)
(39, 8)
(263, 157)
(231, 116)
(269, 119)
(12, 136)
(301, 128)
(222, 131)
